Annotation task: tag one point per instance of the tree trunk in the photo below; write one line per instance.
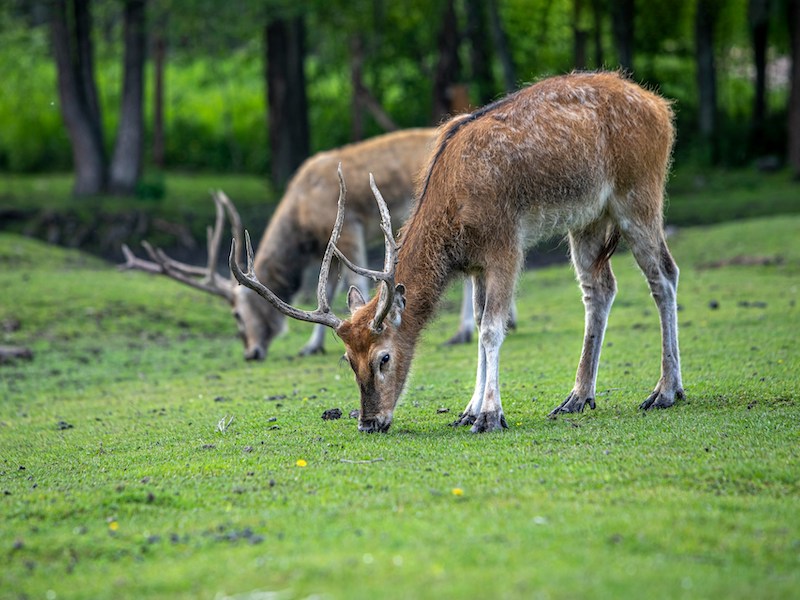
(447, 66)
(622, 16)
(85, 61)
(159, 59)
(286, 97)
(597, 14)
(357, 82)
(501, 46)
(126, 166)
(793, 15)
(75, 81)
(580, 35)
(479, 53)
(706, 74)
(759, 27)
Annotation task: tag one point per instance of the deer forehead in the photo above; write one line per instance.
(361, 341)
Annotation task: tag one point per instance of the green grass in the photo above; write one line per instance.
(144, 497)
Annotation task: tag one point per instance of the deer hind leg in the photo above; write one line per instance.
(589, 250)
(650, 250)
(466, 322)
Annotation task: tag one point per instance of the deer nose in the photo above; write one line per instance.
(256, 353)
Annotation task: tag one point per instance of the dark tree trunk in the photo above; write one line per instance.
(705, 18)
(447, 67)
(580, 35)
(759, 29)
(793, 15)
(597, 15)
(357, 81)
(502, 48)
(85, 60)
(286, 97)
(72, 49)
(479, 52)
(622, 18)
(126, 166)
(159, 60)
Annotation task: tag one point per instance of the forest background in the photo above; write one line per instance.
(131, 96)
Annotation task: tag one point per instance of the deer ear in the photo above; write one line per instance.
(398, 306)
(354, 299)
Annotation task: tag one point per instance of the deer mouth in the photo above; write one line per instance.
(375, 425)
(256, 353)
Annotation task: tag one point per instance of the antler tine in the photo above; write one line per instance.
(385, 277)
(184, 273)
(322, 314)
(235, 219)
(214, 239)
(201, 278)
(386, 295)
(133, 263)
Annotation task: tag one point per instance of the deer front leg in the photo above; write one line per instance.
(499, 293)
(477, 298)
(599, 288)
(484, 411)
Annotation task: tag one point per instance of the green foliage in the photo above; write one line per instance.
(32, 137)
(215, 98)
(116, 480)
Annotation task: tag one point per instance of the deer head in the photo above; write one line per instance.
(371, 334)
(256, 325)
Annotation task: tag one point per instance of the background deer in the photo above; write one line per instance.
(582, 154)
(297, 233)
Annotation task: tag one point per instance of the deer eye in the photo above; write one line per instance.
(384, 359)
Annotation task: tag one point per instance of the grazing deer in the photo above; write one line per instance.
(297, 233)
(585, 154)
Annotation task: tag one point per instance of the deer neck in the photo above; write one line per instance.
(281, 259)
(427, 260)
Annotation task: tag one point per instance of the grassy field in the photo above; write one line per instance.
(117, 480)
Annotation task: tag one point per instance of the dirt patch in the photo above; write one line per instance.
(744, 260)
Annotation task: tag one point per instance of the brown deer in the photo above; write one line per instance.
(585, 154)
(298, 231)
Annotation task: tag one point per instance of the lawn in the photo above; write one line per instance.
(141, 457)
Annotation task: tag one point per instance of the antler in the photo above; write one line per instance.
(386, 277)
(233, 217)
(206, 279)
(322, 314)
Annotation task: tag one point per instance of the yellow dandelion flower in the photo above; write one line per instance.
(458, 492)
(301, 463)
(113, 526)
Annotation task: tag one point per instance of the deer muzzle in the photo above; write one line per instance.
(378, 424)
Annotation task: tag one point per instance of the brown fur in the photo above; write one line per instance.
(586, 154)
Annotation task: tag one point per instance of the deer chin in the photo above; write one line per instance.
(377, 424)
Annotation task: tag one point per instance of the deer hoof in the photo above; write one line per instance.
(489, 421)
(464, 420)
(462, 336)
(573, 404)
(310, 350)
(658, 399)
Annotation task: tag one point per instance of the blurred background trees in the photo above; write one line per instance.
(256, 86)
